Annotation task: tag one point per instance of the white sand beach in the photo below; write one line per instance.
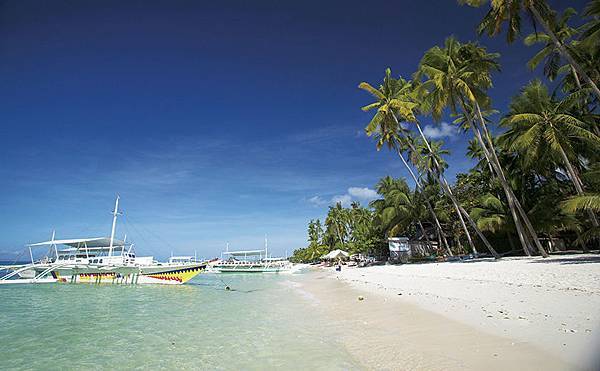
(548, 304)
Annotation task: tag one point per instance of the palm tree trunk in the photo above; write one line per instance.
(577, 183)
(565, 53)
(513, 202)
(429, 207)
(459, 244)
(479, 233)
(510, 242)
(457, 207)
(454, 200)
(576, 77)
(595, 128)
(442, 182)
(339, 233)
(448, 192)
(425, 234)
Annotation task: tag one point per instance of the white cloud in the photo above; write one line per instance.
(345, 200)
(442, 131)
(362, 194)
(365, 193)
(317, 201)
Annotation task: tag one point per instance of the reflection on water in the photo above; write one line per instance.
(259, 323)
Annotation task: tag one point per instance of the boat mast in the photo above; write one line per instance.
(114, 225)
(266, 248)
(54, 245)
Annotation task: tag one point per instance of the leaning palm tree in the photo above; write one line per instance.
(426, 157)
(475, 151)
(392, 100)
(509, 11)
(549, 54)
(591, 29)
(456, 76)
(428, 160)
(542, 127)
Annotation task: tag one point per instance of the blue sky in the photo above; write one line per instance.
(213, 122)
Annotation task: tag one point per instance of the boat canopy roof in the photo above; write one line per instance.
(82, 242)
(244, 252)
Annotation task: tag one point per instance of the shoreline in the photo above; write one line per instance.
(443, 318)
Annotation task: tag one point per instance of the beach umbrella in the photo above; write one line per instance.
(336, 254)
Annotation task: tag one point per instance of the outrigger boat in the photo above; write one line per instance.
(99, 260)
(249, 261)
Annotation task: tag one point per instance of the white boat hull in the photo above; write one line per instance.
(249, 268)
(28, 280)
(152, 274)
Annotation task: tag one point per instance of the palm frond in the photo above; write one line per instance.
(371, 90)
(583, 202)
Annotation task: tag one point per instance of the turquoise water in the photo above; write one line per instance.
(262, 324)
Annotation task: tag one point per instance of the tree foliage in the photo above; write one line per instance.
(541, 157)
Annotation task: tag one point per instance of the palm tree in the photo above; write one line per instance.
(457, 75)
(490, 214)
(426, 157)
(591, 30)
(586, 201)
(589, 202)
(315, 232)
(509, 11)
(391, 99)
(475, 151)
(405, 98)
(429, 160)
(550, 54)
(540, 126)
(336, 223)
(417, 212)
(399, 208)
(392, 210)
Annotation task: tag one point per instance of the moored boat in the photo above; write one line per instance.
(249, 261)
(99, 260)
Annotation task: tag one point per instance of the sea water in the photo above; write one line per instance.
(261, 323)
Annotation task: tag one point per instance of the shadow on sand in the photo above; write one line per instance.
(586, 259)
